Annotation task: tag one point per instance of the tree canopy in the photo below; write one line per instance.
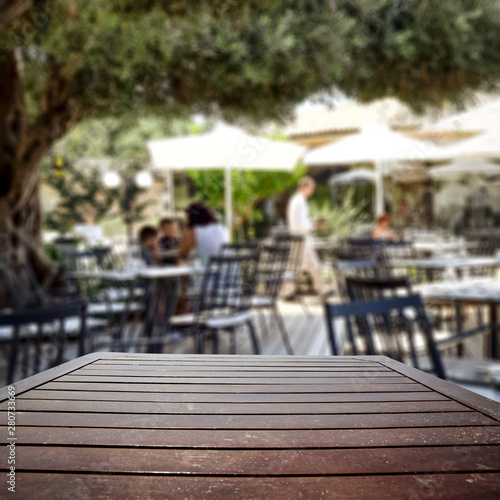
(257, 58)
(76, 166)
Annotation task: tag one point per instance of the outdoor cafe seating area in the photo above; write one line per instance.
(429, 301)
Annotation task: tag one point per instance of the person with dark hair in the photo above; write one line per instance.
(204, 234)
(382, 230)
(170, 239)
(150, 247)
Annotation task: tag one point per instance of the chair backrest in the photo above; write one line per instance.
(390, 327)
(394, 250)
(238, 249)
(273, 263)
(368, 267)
(229, 284)
(39, 336)
(377, 287)
(87, 260)
(104, 256)
(361, 247)
(295, 243)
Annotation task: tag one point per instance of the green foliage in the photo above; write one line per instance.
(249, 188)
(341, 220)
(421, 51)
(50, 251)
(256, 58)
(83, 198)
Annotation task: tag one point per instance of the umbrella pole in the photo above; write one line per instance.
(228, 201)
(379, 189)
(170, 193)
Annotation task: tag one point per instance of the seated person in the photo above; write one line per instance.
(382, 230)
(204, 234)
(170, 239)
(150, 247)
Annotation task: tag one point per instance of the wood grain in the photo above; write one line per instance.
(113, 425)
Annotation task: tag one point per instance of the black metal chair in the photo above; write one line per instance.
(377, 287)
(385, 328)
(390, 250)
(140, 321)
(224, 303)
(345, 266)
(273, 263)
(238, 248)
(116, 307)
(35, 339)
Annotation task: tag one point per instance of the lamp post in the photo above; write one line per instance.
(142, 180)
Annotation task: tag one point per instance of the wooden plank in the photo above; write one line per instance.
(352, 438)
(350, 379)
(232, 398)
(232, 360)
(405, 385)
(226, 371)
(154, 487)
(271, 408)
(355, 421)
(451, 390)
(216, 375)
(259, 462)
(46, 376)
(200, 417)
(314, 363)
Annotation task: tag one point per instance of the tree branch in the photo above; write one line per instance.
(55, 119)
(10, 9)
(12, 119)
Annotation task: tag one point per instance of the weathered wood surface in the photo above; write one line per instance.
(153, 426)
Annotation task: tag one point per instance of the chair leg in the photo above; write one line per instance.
(215, 342)
(253, 337)
(232, 341)
(282, 329)
(198, 340)
(14, 353)
(263, 322)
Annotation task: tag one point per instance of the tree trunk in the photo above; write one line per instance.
(10, 9)
(22, 146)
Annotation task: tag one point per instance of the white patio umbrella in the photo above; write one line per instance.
(376, 144)
(483, 146)
(464, 169)
(224, 148)
(356, 176)
(479, 118)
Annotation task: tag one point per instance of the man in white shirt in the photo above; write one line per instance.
(299, 222)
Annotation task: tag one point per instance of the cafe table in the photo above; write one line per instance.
(481, 291)
(160, 283)
(129, 274)
(446, 262)
(111, 425)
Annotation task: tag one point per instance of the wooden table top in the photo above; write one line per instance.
(163, 426)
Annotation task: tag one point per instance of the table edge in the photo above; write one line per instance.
(472, 400)
(448, 388)
(48, 375)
